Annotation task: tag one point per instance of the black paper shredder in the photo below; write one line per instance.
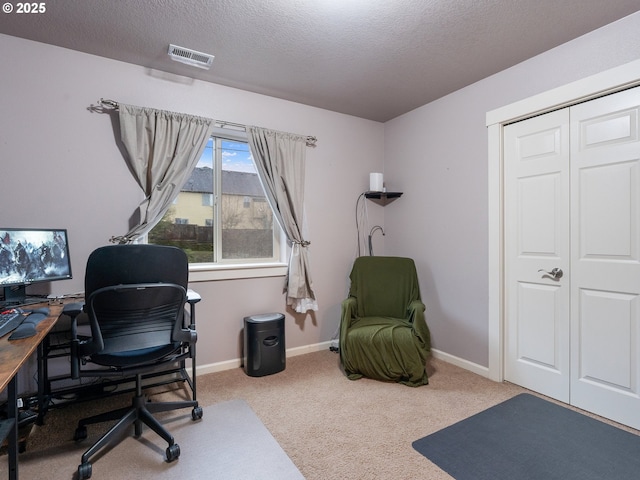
(264, 344)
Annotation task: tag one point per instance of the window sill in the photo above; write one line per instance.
(209, 273)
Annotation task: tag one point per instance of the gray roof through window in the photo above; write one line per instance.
(233, 183)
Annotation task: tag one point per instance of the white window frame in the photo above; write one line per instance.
(232, 269)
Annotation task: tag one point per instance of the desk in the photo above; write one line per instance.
(13, 355)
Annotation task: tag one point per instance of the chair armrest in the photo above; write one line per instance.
(417, 319)
(416, 307)
(185, 335)
(348, 313)
(75, 359)
(73, 309)
(348, 309)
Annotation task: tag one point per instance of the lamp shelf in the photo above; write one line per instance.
(382, 198)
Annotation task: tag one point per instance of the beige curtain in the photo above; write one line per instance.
(163, 149)
(280, 161)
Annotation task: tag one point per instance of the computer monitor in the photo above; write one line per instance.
(31, 255)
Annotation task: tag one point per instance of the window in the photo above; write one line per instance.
(207, 199)
(224, 203)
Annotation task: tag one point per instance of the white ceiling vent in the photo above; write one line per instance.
(190, 57)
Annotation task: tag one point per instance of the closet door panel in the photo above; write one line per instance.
(605, 256)
(537, 242)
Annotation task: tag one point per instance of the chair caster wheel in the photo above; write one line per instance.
(80, 434)
(173, 452)
(196, 413)
(84, 471)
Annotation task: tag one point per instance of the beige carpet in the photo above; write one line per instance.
(330, 427)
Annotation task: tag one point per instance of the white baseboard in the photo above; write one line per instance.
(461, 362)
(292, 352)
(237, 362)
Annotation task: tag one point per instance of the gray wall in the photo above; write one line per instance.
(61, 167)
(437, 154)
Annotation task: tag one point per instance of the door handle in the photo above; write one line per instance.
(556, 273)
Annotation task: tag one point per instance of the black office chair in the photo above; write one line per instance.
(134, 297)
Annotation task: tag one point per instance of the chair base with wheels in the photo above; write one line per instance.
(140, 412)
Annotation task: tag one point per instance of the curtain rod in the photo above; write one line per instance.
(311, 141)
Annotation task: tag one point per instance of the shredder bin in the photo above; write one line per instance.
(264, 344)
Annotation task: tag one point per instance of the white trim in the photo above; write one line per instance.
(237, 362)
(603, 83)
(212, 272)
(317, 347)
(495, 272)
(461, 362)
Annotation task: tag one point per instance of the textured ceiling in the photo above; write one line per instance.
(375, 59)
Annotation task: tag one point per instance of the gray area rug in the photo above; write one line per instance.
(527, 437)
(230, 442)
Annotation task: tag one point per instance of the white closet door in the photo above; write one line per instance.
(605, 256)
(536, 157)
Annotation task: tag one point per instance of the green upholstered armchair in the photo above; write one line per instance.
(383, 333)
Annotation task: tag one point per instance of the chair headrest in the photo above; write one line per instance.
(128, 264)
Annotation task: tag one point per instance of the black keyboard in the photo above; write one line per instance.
(10, 320)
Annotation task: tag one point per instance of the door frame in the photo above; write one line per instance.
(589, 88)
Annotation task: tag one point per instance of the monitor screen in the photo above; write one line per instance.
(30, 255)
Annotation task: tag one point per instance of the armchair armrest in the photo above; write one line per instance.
(416, 318)
(348, 309)
(414, 309)
(348, 313)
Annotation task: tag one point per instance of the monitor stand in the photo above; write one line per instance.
(16, 296)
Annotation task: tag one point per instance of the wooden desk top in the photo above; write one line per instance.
(14, 353)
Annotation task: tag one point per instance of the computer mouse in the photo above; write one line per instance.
(25, 330)
(43, 310)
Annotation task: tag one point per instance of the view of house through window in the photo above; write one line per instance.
(221, 214)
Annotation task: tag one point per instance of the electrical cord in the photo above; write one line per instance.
(373, 230)
(360, 221)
